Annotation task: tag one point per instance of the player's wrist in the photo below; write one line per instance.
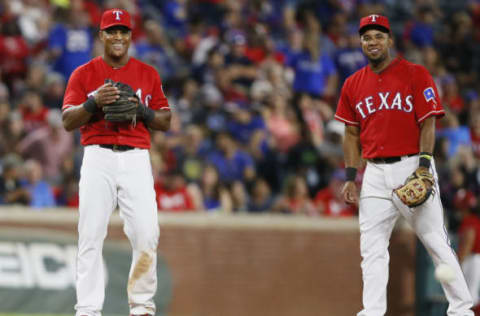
(145, 113)
(425, 159)
(90, 105)
(350, 174)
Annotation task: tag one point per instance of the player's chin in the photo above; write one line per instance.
(376, 58)
(118, 53)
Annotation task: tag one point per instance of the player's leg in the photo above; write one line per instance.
(138, 208)
(428, 222)
(97, 202)
(377, 218)
(471, 269)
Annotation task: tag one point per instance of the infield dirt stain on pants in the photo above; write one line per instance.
(141, 267)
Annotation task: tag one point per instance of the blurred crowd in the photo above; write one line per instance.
(253, 86)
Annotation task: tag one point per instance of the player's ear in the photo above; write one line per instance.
(101, 36)
(390, 40)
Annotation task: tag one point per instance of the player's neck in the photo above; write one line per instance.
(116, 62)
(378, 67)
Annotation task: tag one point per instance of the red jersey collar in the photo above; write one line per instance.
(390, 66)
(113, 68)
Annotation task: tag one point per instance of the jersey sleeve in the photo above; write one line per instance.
(159, 100)
(426, 100)
(75, 93)
(345, 111)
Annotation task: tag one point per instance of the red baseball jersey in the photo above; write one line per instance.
(389, 107)
(143, 79)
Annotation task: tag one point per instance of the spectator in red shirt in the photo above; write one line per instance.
(13, 53)
(172, 193)
(469, 247)
(329, 200)
(475, 134)
(34, 113)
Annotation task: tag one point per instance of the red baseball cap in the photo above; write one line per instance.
(375, 21)
(114, 17)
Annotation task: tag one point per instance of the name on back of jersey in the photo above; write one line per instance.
(384, 101)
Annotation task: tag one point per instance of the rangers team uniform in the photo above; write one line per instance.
(108, 180)
(388, 107)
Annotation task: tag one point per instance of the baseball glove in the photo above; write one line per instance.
(123, 109)
(417, 188)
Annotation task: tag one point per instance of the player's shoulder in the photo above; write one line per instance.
(413, 67)
(88, 66)
(358, 75)
(146, 67)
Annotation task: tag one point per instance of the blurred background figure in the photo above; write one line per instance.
(41, 193)
(70, 41)
(295, 199)
(172, 193)
(262, 198)
(11, 189)
(466, 205)
(49, 145)
(329, 200)
(210, 194)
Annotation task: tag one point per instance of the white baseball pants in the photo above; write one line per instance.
(378, 214)
(108, 179)
(471, 269)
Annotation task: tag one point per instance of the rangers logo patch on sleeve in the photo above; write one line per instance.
(429, 94)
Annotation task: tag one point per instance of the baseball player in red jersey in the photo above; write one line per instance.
(116, 169)
(389, 109)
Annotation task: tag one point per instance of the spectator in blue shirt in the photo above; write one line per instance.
(293, 46)
(156, 50)
(232, 163)
(421, 33)
(41, 193)
(456, 134)
(348, 57)
(175, 16)
(315, 72)
(244, 123)
(70, 44)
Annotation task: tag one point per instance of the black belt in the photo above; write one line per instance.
(389, 159)
(115, 147)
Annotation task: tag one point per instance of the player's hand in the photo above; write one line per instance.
(350, 192)
(106, 94)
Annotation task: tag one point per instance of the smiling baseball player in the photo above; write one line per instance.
(114, 99)
(389, 109)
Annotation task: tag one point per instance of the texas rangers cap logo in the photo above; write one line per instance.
(115, 17)
(117, 14)
(374, 21)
